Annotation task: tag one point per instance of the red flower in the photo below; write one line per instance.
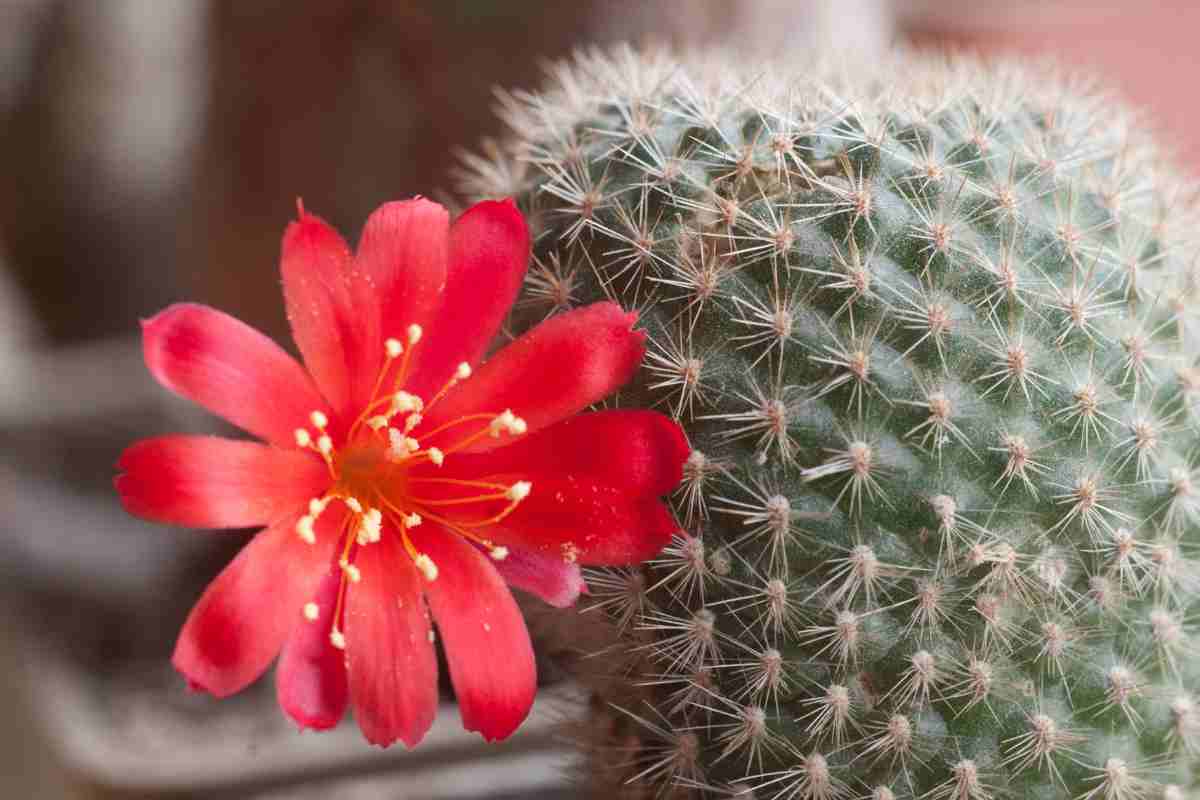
(396, 479)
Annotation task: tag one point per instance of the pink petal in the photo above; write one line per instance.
(231, 369)
(546, 576)
(324, 306)
(210, 482)
(560, 367)
(246, 613)
(641, 452)
(489, 251)
(487, 645)
(402, 256)
(310, 681)
(389, 650)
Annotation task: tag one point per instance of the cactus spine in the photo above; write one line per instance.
(931, 328)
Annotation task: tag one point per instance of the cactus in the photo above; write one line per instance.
(930, 327)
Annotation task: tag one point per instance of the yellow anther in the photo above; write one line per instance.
(316, 506)
(570, 552)
(393, 347)
(403, 402)
(352, 572)
(501, 422)
(411, 421)
(498, 553)
(303, 439)
(311, 612)
(519, 491)
(436, 456)
(414, 334)
(427, 567)
(518, 427)
(398, 445)
(304, 529)
(337, 639)
(325, 444)
(412, 444)
(377, 422)
(412, 520)
(319, 420)
(353, 504)
(370, 527)
(463, 371)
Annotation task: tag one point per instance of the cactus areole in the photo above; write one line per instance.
(932, 331)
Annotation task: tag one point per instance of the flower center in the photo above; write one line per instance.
(372, 473)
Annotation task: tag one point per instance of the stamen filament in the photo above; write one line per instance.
(458, 421)
(392, 349)
(414, 335)
(371, 403)
(457, 528)
(470, 440)
(335, 633)
(458, 501)
(461, 373)
(421, 561)
(500, 487)
(512, 506)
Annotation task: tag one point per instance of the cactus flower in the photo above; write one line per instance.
(398, 477)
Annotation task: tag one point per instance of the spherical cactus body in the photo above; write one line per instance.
(931, 330)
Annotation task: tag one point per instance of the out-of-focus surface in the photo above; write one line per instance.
(1146, 50)
(152, 152)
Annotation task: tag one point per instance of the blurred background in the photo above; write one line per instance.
(152, 151)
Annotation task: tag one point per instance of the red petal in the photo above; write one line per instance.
(597, 523)
(546, 576)
(310, 681)
(392, 663)
(231, 369)
(403, 257)
(487, 645)
(489, 251)
(641, 452)
(560, 367)
(245, 615)
(324, 307)
(210, 482)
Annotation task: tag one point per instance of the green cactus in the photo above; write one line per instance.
(931, 330)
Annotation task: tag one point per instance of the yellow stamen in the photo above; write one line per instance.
(427, 567)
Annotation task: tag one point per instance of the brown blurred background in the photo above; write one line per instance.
(152, 151)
